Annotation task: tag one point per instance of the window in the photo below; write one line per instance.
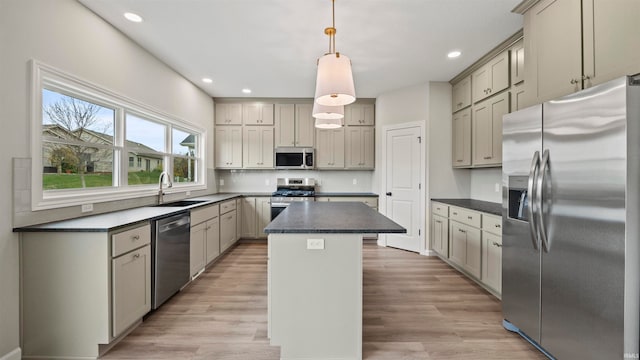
(95, 145)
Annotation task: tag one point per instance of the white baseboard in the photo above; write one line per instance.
(428, 253)
(15, 354)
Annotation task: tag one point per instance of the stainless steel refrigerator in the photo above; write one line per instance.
(571, 175)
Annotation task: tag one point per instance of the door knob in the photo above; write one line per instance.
(388, 194)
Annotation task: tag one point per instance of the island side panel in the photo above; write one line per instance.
(315, 296)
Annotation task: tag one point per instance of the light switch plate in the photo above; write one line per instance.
(355, 181)
(221, 182)
(266, 182)
(315, 244)
(497, 187)
(87, 207)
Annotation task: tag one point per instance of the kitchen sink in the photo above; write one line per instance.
(181, 203)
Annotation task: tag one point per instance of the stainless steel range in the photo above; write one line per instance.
(289, 190)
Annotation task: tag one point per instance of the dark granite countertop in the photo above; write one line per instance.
(347, 194)
(332, 217)
(478, 205)
(113, 220)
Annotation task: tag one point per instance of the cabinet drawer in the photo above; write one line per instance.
(492, 224)
(130, 239)
(227, 206)
(203, 214)
(465, 216)
(440, 209)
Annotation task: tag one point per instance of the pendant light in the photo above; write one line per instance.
(327, 117)
(334, 81)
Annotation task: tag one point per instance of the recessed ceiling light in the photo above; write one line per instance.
(454, 54)
(133, 17)
(246, 91)
(207, 80)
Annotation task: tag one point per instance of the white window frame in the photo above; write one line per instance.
(45, 76)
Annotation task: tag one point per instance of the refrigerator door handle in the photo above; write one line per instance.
(533, 175)
(541, 177)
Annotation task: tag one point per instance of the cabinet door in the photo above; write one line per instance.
(228, 114)
(228, 149)
(305, 125)
(330, 148)
(360, 147)
(609, 49)
(457, 243)
(487, 130)
(461, 94)
(248, 218)
(461, 138)
(499, 70)
(492, 261)
(553, 48)
(227, 230)
(359, 114)
(258, 147)
(440, 235)
(257, 114)
(131, 288)
(197, 258)
(518, 97)
(263, 215)
(473, 258)
(285, 125)
(517, 62)
(213, 239)
(368, 147)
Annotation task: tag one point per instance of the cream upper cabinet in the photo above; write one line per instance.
(461, 138)
(228, 114)
(257, 114)
(517, 62)
(492, 78)
(294, 125)
(518, 97)
(461, 94)
(304, 125)
(329, 148)
(228, 147)
(258, 147)
(487, 130)
(359, 146)
(595, 45)
(359, 114)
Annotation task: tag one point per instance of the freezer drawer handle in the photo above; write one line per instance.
(496, 244)
(533, 174)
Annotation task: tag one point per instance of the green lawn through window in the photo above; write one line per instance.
(74, 181)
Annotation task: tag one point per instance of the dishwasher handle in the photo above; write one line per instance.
(181, 222)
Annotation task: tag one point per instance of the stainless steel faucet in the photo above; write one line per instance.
(169, 184)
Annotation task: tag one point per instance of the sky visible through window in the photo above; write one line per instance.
(105, 121)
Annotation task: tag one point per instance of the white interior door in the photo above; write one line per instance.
(403, 168)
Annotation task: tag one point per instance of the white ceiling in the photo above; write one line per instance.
(271, 46)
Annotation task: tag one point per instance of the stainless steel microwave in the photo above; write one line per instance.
(294, 158)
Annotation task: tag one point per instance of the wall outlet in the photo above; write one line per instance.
(221, 182)
(496, 187)
(315, 244)
(188, 193)
(355, 181)
(266, 182)
(87, 207)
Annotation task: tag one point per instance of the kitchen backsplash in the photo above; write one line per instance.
(265, 181)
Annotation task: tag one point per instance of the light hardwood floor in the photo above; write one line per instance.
(415, 307)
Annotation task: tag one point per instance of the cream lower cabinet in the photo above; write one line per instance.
(256, 214)
(205, 237)
(82, 290)
(492, 252)
(228, 225)
(472, 243)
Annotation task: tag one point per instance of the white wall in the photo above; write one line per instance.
(264, 181)
(483, 183)
(66, 35)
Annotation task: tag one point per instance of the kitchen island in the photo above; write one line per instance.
(315, 278)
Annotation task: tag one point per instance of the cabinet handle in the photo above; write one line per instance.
(136, 256)
(135, 237)
(490, 90)
(462, 231)
(438, 222)
(496, 244)
(230, 217)
(458, 160)
(470, 217)
(586, 77)
(498, 226)
(574, 81)
(487, 157)
(208, 227)
(459, 104)
(455, 213)
(437, 208)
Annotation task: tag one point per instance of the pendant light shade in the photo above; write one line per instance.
(328, 123)
(334, 81)
(328, 117)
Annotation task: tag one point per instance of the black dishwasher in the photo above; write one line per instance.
(170, 247)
